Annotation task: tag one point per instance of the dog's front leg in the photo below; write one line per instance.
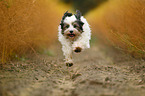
(67, 52)
(78, 46)
(82, 43)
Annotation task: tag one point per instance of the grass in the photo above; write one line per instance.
(27, 25)
(120, 23)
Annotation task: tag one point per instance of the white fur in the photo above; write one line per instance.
(83, 41)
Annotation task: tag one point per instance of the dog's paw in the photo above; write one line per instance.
(69, 64)
(78, 49)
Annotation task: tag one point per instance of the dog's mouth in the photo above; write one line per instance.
(71, 35)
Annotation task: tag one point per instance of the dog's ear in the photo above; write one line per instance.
(66, 14)
(78, 15)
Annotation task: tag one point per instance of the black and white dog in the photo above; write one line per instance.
(74, 35)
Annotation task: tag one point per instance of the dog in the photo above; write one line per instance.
(74, 34)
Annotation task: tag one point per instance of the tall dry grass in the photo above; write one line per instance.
(27, 26)
(122, 23)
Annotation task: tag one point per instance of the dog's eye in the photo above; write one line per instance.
(75, 25)
(67, 26)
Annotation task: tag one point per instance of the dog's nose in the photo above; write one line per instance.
(71, 31)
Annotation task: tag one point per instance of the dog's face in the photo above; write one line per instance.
(71, 25)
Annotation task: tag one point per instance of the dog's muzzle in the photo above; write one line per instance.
(71, 34)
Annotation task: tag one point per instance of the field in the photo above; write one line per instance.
(27, 26)
(32, 63)
(120, 23)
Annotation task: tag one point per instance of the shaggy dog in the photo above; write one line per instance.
(74, 35)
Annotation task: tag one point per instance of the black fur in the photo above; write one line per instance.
(69, 64)
(64, 16)
(78, 16)
(80, 25)
(78, 49)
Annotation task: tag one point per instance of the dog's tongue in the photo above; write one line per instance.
(71, 35)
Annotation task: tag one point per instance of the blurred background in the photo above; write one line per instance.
(30, 26)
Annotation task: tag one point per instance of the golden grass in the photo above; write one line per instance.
(27, 26)
(122, 23)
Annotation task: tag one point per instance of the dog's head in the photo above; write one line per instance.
(71, 25)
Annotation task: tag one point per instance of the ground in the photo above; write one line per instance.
(97, 71)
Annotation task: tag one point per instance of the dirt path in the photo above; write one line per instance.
(95, 73)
